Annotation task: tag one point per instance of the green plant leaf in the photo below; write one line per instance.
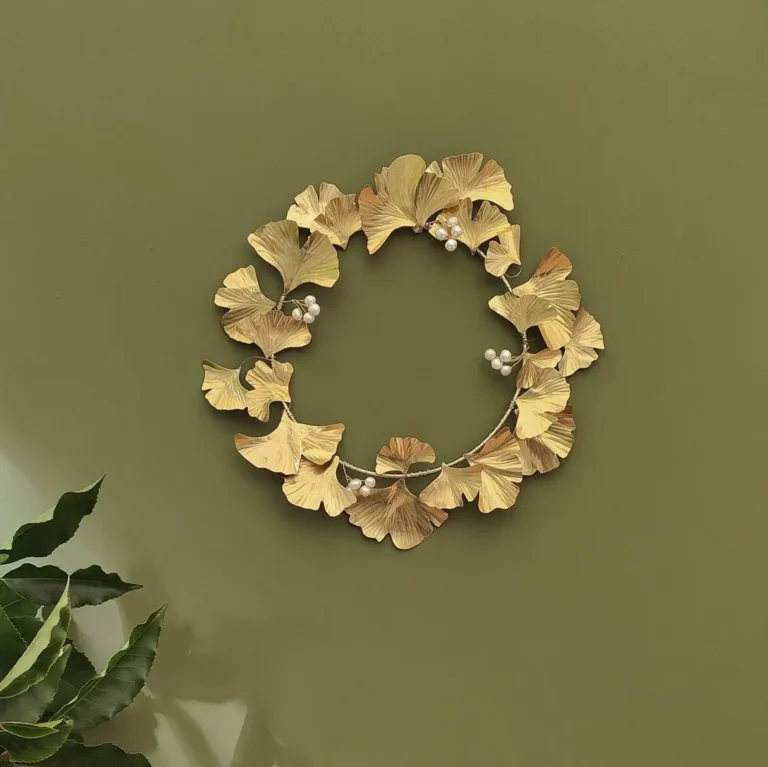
(14, 605)
(43, 651)
(31, 743)
(106, 755)
(27, 626)
(29, 706)
(89, 586)
(10, 642)
(79, 670)
(108, 694)
(50, 530)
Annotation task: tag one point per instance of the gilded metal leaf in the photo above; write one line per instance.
(537, 407)
(501, 471)
(533, 363)
(401, 452)
(487, 223)
(580, 351)
(242, 296)
(467, 174)
(274, 331)
(405, 196)
(523, 311)
(316, 261)
(270, 384)
(281, 450)
(331, 213)
(223, 388)
(452, 486)
(313, 485)
(543, 453)
(504, 253)
(396, 512)
(309, 205)
(549, 282)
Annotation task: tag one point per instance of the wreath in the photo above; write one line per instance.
(458, 201)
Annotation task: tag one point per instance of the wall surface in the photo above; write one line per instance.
(617, 616)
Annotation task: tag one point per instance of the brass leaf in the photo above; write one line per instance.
(270, 384)
(549, 282)
(223, 387)
(242, 296)
(316, 261)
(580, 351)
(401, 452)
(313, 485)
(452, 486)
(281, 450)
(274, 331)
(396, 512)
(537, 407)
(309, 205)
(543, 453)
(523, 311)
(475, 182)
(488, 222)
(533, 363)
(503, 254)
(501, 471)
(405, 196)
(331, 213)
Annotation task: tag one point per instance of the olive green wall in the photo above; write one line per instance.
(617, 616)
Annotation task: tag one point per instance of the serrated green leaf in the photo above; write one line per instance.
(126, 673)
(54, 527)
(106, 755)
(14, 605)
(29, 706)
(89, 586)
(33, 666)
(31, 743)
(28, 627)
(10, 643)
(79, 670)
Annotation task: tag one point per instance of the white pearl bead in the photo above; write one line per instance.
(370, 481)
(456, 230)
(489, 354)
(309, 300)
(308, 318)
(441, 233)
(355, 484)
(451, 245)
(506, 370)
(297, 314)
(452, 221)
(314, 309)
(365, 491)
(506, 355)
(496, 363)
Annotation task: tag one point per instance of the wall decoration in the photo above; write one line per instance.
(461, 201)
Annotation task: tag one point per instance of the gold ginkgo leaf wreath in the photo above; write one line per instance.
(458, 201)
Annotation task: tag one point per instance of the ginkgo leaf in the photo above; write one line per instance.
(504, 253)
(452, 486)
(543, 453)
(332, 213)
(281, 450)
(523, 311)
(274, 332)
(488, 222)
(401, 452)
(316, 261)
(405, 196)
(223, 388)
(467, 174)
(501, 471)
(580, 351)
(270, 384)
(533, 363)
(313, 485)
(396, 512)
(537, 407)
(309, 205)
(242, 296)
(549, 282)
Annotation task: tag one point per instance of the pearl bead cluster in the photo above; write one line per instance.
(363, 488)
(449, 237)
(500, 362)
(312, 310)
